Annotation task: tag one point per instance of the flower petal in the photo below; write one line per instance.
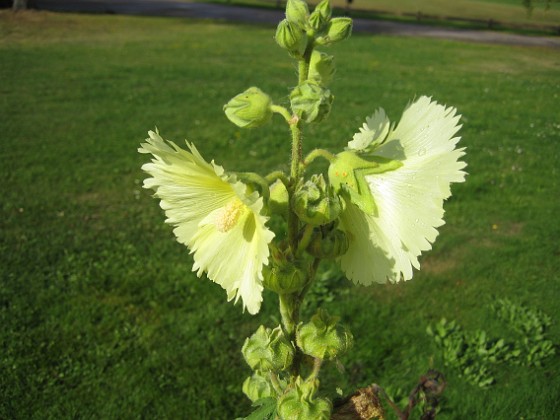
(213, 215)
(409, 200)
(373, 131)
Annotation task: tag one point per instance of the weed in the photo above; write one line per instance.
(473, 352)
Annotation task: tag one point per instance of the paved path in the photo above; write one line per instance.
(177, 8)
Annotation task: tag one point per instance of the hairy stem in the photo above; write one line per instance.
(317, 153)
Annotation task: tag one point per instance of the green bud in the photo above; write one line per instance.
(339, 29)
(321, 67)
(278, 201)
(284, 279)
(298, 403)
(284, 275)
(268, 350)
(323, 337)
(311, 102)
(315, 202)
(320, 17)
(290, 37)
(297, 12)
(257, 387)
(249, 109)
(330, 245)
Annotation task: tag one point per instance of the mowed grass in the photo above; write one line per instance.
(101, 316)
(503, 11)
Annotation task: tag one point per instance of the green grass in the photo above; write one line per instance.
(101, 316)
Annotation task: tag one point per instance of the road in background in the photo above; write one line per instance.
(239, 14)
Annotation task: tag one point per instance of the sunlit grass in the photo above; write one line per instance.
(101, 315)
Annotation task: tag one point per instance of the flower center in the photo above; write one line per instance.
(229, 215)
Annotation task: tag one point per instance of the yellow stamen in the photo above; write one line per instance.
(229, 215)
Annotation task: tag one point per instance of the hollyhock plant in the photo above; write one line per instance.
(373, 212)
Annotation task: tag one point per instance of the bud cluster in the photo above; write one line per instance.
(316, 28)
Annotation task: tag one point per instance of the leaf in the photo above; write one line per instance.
(266, 409)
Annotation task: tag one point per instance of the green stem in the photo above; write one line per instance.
(316, 368)
(290, 315)
(293, 220)
(304, 63)
(296, 150)
(317, 153)
(305, 239)
(273, 176)
(275, 383)
(295, 169)
(282, 111)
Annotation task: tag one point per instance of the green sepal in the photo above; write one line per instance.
(258, 386)
(291, 37)
(319, 18)
(298, 403)
(268, 350)
(328, 245)
(315, 202)
(321, 67)
(249, 109)
(311, 102)
(339, 29)
(323, 337)
(297, 13)
(347, 175)
(279, 199)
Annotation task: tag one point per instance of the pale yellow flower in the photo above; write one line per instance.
(214, 215)
(394, 209)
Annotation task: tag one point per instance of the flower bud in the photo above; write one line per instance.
(257, 387)
(298, 403)
(268, 350)
(249, 109)
(290, 37)
(321, 67)
(322, 337)
(339, 29)
(297, 13)
(328, 246)
(284, 279)
(278, 201)
(284, 275)
(320, 17)
(311, 102)
(315, 202)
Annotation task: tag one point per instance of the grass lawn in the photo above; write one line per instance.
(504, 11)
(101, 316)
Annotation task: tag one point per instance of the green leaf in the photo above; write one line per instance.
(266, 409)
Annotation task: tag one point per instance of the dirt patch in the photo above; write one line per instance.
(438, 265)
